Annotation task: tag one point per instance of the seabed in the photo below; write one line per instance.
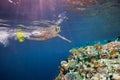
(96, 62)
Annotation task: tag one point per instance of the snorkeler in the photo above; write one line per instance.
(41, 33)
(34, 32)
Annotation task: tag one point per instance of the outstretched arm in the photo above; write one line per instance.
(62, 37)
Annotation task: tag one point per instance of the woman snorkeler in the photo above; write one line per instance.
(30, 33)
(34, 32)
(42, 33)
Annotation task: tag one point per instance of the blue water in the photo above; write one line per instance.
(40, 60)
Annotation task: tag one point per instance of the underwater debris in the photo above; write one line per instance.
(97, 62)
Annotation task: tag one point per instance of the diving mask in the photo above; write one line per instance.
(58, 29)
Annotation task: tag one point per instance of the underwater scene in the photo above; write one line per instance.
(59, 39)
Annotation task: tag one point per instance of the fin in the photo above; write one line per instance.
(20, 35)
(62, 37)
(21, 26)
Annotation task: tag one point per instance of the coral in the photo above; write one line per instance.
(97, 62)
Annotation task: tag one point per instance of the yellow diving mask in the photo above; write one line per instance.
(20, 35)
(58, 29)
